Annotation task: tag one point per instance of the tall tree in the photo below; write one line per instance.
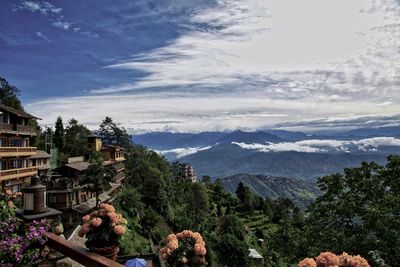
(97, 177)
(9, 95)
(59, 134)
(113, 135)
(75, 138)
(359, 212)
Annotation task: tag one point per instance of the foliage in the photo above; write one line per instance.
(358, 212)
(20, 243)
(113, 135)
(9, 95)
(186, 248)
(75, 141)
(58, 137)
(103, 227)
(97, 177)
(9, 202)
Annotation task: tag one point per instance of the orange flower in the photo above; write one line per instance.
(96, 222)
(86, 218)
(8, 192)
(113, 217)
(171, 237)
(200, 250)
(347, 260)
(327, 259)
(173, 244)
(307, 262)
(83, 230)
(119, 230)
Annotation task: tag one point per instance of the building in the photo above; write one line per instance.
(15, 148)
(186, 171)
(64, 191)
(41, 160)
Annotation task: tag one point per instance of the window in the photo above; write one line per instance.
(15, 188)
(52, 198)
(3, 142)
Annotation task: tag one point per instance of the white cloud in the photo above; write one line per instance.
(39, 6)
(256, 63)
(321, 146)
(183, 152)
(62, 25)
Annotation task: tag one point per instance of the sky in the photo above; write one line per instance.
(190, 66)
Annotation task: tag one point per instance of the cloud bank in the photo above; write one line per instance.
(255, 64)
(324, 146)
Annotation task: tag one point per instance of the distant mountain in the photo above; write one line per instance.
(249, 137)
(168, 140)
(299, 191)
(229, 159)
(275, 152)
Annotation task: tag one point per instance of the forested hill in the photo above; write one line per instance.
(299, 191)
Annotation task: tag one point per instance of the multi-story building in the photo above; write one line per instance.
(186, 171)
(16, 148)
(41, 160)
(64, 191)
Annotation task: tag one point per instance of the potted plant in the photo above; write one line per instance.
(103, 229)
(186, 248)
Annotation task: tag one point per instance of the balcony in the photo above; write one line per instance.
(17, 173)
(17, 151)
(17, 129)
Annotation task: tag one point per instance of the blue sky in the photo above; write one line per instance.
(206, 65)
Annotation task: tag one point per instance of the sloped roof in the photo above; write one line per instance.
(79, 166)
(254, 254)
(40, 154)
(17, 112)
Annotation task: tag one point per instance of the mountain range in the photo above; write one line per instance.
(275, 152)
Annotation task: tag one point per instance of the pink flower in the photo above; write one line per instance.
(8, 192)
(173, 244)
(307, 262)
(119, 230)
(171, 237)
(86, 218)
(200, 250)
(83, 230)
(347, 260)
(327, 259)
(113, 217)
(96, 222)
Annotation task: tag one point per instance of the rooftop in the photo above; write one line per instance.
(17, 112)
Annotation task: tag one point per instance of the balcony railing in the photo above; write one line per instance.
(17, 173)
(78, 253)
(17, 151)
(17, 128)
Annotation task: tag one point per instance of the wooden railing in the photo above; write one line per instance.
(17, 128)
(16, 149)
(17, 171)
(78, 253)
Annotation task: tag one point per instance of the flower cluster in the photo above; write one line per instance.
(20, 244)
(103, 227)
(186, 248)
(328, 259)
(9, 202)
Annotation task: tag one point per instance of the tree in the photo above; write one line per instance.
(241, 192)
(198, 206)
(75, 138)
(9, 95)
(58, 137)
(97, 177)
(358, 212)
(113, 135)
